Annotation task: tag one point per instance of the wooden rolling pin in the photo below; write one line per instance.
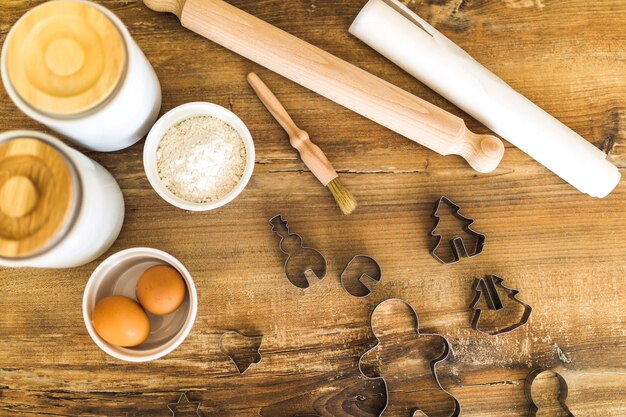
(335, 79)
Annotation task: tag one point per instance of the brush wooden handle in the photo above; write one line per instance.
(335, 79)
(311, 154)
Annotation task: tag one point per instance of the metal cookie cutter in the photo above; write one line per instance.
(488, 287)
(560, 392)
(233, 344)
(361, 270)
(303, 263)
(402, 351)
(457, 244)
(183, 401)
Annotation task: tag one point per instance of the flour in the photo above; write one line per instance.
(201, 159)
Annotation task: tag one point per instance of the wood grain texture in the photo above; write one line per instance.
(562, 250)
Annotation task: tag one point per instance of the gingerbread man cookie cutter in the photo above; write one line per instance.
(456, 412)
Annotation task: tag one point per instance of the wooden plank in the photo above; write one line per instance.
(562, 250)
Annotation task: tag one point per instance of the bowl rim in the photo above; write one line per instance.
(127, 354)
(176, 115)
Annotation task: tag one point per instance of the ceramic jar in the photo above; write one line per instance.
(58, 208)
(73, 66)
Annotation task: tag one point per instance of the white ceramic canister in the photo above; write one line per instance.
(58, 208)
(73, 66)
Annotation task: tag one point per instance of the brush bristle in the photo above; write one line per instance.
(344, 199)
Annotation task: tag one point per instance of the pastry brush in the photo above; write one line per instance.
(310, 153)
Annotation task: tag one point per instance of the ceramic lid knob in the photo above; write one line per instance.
(64, 57)
(38, 196)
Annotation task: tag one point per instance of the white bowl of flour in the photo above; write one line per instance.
(199, 156)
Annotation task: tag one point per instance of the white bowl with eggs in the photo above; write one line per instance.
(152, 154)
(118, 276)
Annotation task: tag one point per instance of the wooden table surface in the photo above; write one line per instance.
(564, 251)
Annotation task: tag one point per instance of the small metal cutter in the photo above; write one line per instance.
(368, 271)
(183, 401)
(302, 263)
(459, 248)
(244, 361)
(561, 395)
(488, 287)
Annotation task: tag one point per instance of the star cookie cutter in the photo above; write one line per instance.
(173, 407)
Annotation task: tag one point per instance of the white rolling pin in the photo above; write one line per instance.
(410, 42)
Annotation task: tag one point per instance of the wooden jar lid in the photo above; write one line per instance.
(65, 57)
(38, 191)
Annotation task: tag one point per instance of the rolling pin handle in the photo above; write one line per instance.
(166, 6)
(482, 152)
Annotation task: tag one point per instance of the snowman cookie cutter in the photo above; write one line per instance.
(303, 263)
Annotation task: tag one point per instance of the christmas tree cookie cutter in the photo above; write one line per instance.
(368, 272)
(487, 288)
(560, 395)
(232, 343)
(459, 249)
(303, 263)
(410, 333)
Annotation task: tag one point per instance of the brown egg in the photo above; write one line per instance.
(161, 289)
(121, 321)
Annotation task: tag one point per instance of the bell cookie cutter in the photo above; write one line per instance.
(173, 407)
(456, 412)
(459, 249)
(488, 287)
(359, 287)
(561, 394)
(229, 344)
(303, 263)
